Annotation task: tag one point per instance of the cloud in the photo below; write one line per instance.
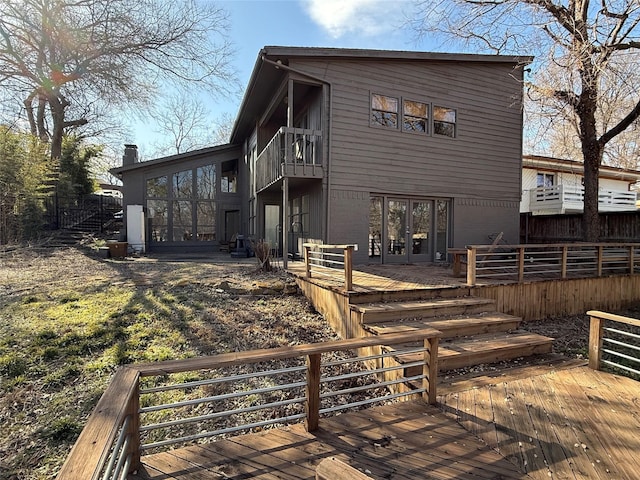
(360, 17)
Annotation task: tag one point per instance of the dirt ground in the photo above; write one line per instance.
(214, 304)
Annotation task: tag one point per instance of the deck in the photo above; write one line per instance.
(572, 423)
(376, 278)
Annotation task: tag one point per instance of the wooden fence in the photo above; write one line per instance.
(614, 227)
(156, 405)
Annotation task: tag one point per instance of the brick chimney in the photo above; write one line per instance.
(130, 155)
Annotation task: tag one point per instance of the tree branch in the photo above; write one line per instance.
(631, 117)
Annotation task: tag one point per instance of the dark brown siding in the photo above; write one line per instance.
(478, 168)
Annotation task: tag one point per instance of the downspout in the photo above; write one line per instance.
(326, 224)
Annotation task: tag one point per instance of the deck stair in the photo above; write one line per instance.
(473, 331)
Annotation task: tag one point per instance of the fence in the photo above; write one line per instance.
(614, 227)
(89, 212)
(618, 347)
(152, 406)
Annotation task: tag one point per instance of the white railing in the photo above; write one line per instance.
(562, 198)
(292, 152)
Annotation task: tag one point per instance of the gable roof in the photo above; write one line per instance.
(267, 75)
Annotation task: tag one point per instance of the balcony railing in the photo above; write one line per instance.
(292, 152)
(568, 199)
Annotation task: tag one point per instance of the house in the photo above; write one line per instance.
(552, 186)
(401, 153)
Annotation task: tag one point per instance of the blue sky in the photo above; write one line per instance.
(376, 24)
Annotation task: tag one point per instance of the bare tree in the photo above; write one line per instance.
(65, 59)
(182, 121)
(222, 128)
(579, 42)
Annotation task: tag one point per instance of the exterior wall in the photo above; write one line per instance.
(478, 168)
(134, 185)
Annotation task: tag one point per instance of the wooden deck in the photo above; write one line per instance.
(573, 423)
(376, 278)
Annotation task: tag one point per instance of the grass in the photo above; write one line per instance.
(62, 339)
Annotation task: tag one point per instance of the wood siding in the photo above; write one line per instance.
(483, 162)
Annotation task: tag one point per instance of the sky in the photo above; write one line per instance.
(374, 24)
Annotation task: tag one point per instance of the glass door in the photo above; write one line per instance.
(397, 230)
(421, 227)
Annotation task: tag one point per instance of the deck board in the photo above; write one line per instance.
(570, 423)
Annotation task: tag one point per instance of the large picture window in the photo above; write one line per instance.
(181, 206)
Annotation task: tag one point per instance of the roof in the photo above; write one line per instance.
(173, 158)
(266, 75)
(572, 166)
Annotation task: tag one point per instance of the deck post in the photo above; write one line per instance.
(599, 258)
(133, 409)
(348, 268)
(313, 391)
(565, 255)
(307, 265)
(430, 369)
(471, 265)
(520, 264)
(632, 259)
(596, 329)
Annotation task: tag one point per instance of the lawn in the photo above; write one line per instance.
(68, 319)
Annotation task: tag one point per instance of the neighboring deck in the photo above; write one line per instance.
(573, 423)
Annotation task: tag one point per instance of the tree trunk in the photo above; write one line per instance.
(590, 216)
(57, 132)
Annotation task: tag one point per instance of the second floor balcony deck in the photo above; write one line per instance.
(293, 153)
(560, 199)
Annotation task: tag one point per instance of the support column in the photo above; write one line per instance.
(285, 222)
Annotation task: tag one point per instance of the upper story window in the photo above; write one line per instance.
(384, 111)
(545, 180)
(415, 116)
(444, 121)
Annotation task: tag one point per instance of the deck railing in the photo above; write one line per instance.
(151, 406)
(616, 346)
(565, 260)
(330, 261)
(562, 198)
(292, 152)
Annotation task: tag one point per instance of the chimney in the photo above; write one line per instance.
(130, 155)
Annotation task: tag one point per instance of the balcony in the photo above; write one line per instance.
(561, 199)
(293, 153)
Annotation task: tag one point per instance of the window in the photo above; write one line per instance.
(444, 121)
(182, 206)
(415, 116)
(157, 208)
(229, 177)
(384, 111)
(545, 180)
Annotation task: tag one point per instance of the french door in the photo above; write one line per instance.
(412, 230)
